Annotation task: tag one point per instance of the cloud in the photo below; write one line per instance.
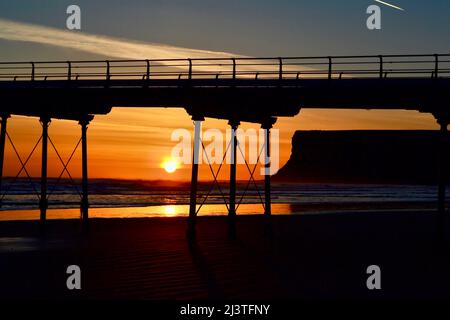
(117, 48)
(96, 44)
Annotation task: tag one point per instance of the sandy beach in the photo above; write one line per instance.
(321, 256)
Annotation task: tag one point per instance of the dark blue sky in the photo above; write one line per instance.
(255, 27)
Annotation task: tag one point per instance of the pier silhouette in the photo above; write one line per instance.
(257, 90)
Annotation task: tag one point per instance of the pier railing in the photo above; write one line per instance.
(331, 67)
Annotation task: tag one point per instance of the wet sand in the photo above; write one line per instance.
(180, 210)
(303, 257)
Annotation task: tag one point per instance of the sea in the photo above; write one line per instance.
(134, 198)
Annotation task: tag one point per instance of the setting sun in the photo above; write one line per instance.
(170, 166)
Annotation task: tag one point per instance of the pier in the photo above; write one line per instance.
(256, 90)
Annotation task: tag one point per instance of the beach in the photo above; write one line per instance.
(310, 256)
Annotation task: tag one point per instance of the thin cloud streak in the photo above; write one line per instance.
(119, 48)
(96, 44)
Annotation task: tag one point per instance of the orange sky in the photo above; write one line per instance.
(131, 143)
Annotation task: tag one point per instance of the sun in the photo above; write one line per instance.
(170, 166)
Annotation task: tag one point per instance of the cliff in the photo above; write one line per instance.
(400, 157)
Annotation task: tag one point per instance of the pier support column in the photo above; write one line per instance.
(2, 146)
(84, 198)
(194, 176)
(442, 176)
(267, 195)
(233, 160)
(45, 121)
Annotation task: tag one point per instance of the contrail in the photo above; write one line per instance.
(390, 5)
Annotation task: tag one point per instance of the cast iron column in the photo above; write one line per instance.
(84, 159)
(442, 176)
(194, 176)
(267, 196)
(45, 121)
(2, 146)
(233, 157)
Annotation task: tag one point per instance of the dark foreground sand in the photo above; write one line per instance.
(309, 257)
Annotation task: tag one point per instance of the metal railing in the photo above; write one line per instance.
(282, 68)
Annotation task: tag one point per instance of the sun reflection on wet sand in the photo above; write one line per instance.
(170, 211)
(141, 212)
